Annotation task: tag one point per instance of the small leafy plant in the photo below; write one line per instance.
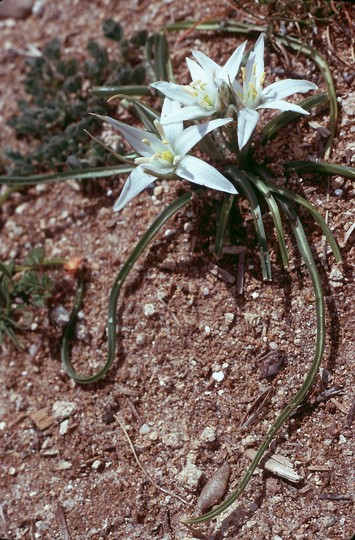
(60, 96)
(23, 288)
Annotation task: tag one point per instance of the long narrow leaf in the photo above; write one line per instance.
(115, 292)
(278, 122)
(275, 213)
(75, 174)
(308, 382)
(321, 168)
(287, 193)
(244, 186)
(229, 26)
(223, 223)
(322, 64)
(110, 91)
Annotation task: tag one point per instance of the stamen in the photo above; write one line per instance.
(190, 90)
(159, 128)
(176, 160)
(243, 70)
(145, 141)
(140, 160)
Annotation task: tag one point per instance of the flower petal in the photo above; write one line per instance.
(197, 72)
(282, 89)
(172, 130)
(247, 120)
(191, 112)
(259, 57)
(135, 136)
(282, 105)
(175, 92)
(230, 70)
(210, 67)
(193, 134)
(135, 183)
(198, 171)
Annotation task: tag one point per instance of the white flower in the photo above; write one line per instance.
(251, 96)
(167, 154)
(208, 93)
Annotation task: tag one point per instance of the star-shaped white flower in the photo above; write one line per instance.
(166, 154)
(208, 93)
(251, 96)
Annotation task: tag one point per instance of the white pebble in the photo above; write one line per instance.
(63, 428)
(144, 429)
(218, 376)
(149, 310)
(62, 409)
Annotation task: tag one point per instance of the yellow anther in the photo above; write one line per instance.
(254, 70)
(262, 78)
(145, 141)
(243, 73)
(167, 156)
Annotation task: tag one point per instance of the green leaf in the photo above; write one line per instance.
(112, 30)
(321, 168)
(244, 186)
(145, 240)
(274, 125)
(322, 64)
(79, 174)
(35, 257)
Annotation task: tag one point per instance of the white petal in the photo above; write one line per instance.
(198, 171)
(193, 134)
(173, 130)
(197, 72)
(282, 105)
(135, 183)
(230, 70)
(135, 136)
(287, 87)
(175, 92)
(247, 120)
(191, 112)
(210, 67)
(158, 169)
(259, 56)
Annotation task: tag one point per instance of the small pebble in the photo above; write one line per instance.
(144, 429)
(141, 339)
(218, 376)
(96, 465)
(190, 476)
(208, 435)
(149, 310)
(60, 316)
(63, 428)
(62, 409)
(229, 318)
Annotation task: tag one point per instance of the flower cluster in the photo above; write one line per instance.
(214, 92)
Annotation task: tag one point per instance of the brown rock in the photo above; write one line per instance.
(15, 9)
